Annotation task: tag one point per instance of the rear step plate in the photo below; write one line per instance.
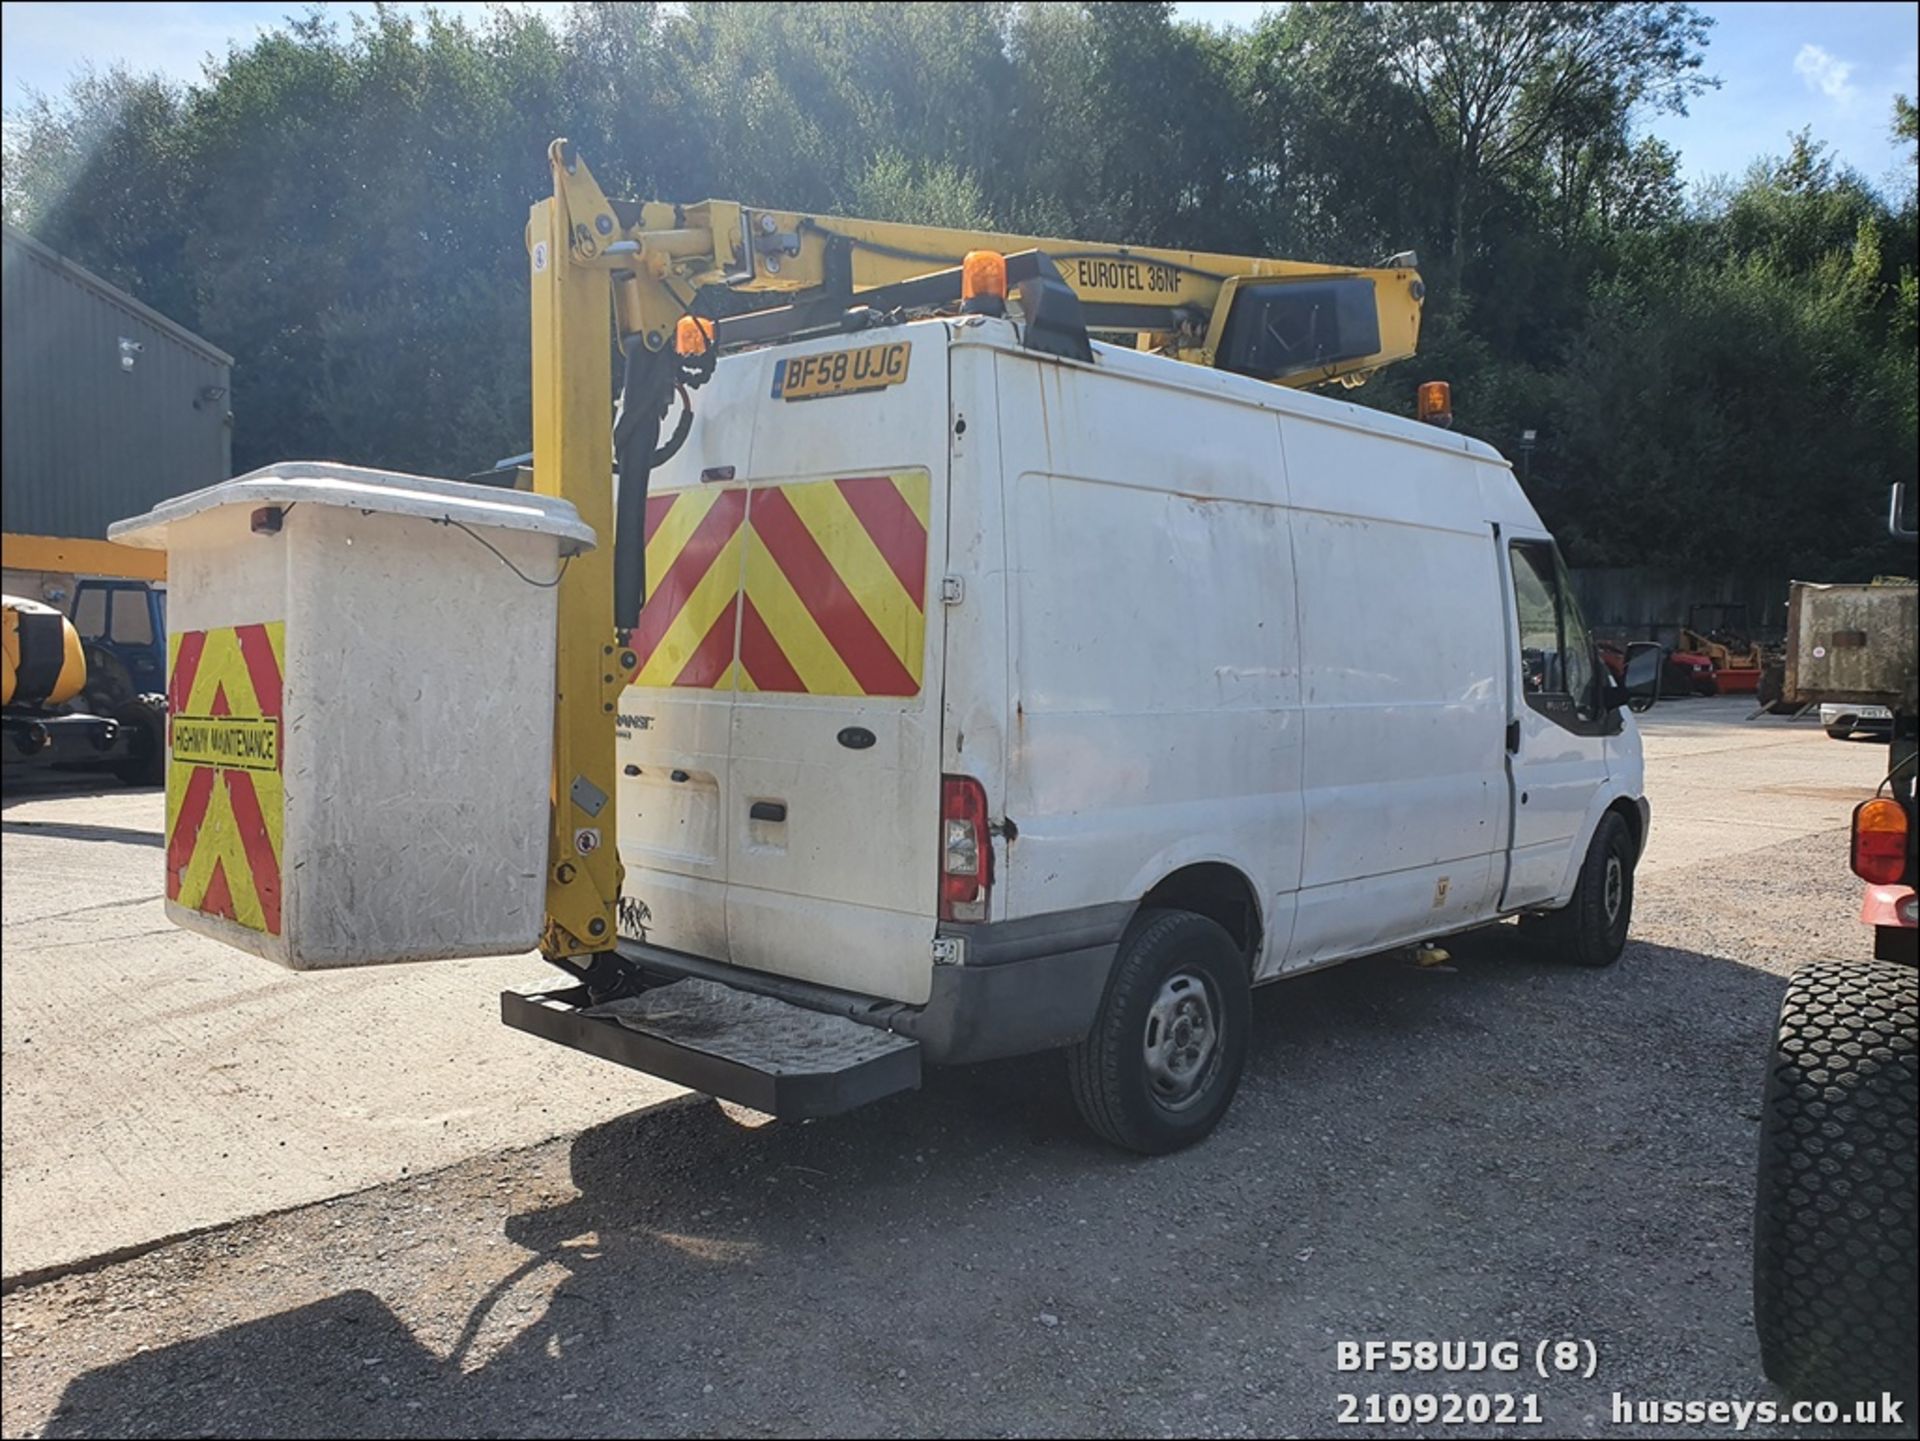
(760, 1052)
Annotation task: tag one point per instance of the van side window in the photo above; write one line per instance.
(1582, 676)
(1556, 653)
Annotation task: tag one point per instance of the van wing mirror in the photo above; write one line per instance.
(1640, 687)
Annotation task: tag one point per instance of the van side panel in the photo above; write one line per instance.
(1154, 717)
(1403, 662)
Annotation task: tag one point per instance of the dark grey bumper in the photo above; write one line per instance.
(1026, 985)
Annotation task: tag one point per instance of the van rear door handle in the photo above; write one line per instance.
(1513, 736)
(768, 810)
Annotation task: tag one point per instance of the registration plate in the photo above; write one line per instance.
(841, 372)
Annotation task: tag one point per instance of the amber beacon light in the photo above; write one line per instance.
(1435, 403)
(983, 282)
(692, 336)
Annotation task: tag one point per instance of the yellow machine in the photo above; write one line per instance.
(1719, 632)
(44, 665)
(654, 272)
(65, 702)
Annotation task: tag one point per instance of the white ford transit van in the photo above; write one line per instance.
(1000, 701)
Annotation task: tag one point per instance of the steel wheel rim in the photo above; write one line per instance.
(1616, 888)
(1181, 1041)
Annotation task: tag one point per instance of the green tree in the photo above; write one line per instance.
(341, 206)
(1742, 393)
(100, 175)
(1486, 92)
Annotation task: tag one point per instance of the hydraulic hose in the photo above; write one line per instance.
(648, 382)
(646, 388)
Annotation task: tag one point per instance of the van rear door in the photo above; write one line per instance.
(788, 802)
(835, 759)
(674, 724)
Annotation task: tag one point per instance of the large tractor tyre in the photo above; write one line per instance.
(1165, 1054)
(143, 721)
(1591, 929)
(1834, 1280)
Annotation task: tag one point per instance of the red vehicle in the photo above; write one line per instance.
(1682, 672)
(1688, 672)
(1614, 656)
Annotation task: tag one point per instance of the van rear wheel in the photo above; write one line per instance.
(1591, 929)
(1165, 1054)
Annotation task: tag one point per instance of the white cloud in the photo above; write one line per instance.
(1828, 74)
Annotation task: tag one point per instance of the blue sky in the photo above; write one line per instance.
(1833, 67)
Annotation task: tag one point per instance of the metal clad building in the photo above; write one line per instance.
(108, 405)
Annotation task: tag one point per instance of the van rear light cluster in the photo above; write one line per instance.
(966, 851)
(1880, 841)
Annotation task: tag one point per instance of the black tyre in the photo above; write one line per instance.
(144, 719)
(1834, 1278)
(1166, 1051)
(1591, 929)
(1839, 733)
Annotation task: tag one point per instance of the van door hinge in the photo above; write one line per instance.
(948, 950)
(953, 590)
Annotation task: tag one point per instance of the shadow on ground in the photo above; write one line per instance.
(65, 831)
(1497, 1148)
(49, 785)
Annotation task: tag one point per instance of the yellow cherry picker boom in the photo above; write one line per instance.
(651, 271)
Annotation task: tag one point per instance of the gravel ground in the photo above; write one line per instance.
(1501, 1148)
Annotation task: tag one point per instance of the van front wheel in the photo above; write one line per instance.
(1164, 1057)
(1591, 930)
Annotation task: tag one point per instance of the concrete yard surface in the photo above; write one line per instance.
(1500, 1148)
(156, 1082)
(1722, 784)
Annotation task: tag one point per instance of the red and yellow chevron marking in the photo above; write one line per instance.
(814, 588)
(225, 798)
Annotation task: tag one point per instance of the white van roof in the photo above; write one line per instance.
(1203, 380)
